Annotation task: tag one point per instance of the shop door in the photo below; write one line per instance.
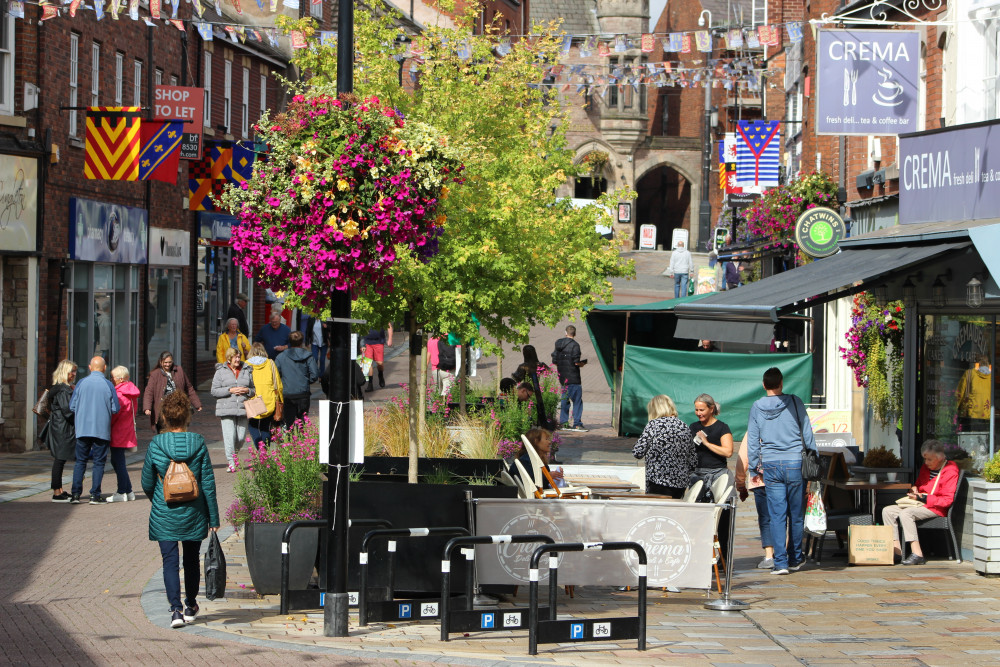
(217, 288)
(163, 315)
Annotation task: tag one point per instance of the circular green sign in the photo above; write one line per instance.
(818, 231)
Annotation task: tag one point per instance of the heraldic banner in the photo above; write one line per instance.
(677, 538)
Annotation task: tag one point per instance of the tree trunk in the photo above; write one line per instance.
(422, 389)
(462, 376)
(414, 422)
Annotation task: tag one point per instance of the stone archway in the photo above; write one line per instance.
(664, 200)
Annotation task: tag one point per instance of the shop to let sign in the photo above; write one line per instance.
(183, 103)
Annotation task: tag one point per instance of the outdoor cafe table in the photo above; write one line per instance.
(872, 488)
(599, 484)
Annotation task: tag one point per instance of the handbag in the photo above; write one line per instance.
(43, 406)
(215, 568)
(255, 407)
(279, 406)
(907, 501)
(179, 484)
(815, 520)
(812, 469)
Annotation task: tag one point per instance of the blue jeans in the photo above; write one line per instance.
(260, 431)
(171, 573)
(680, 285)
(319, 354)
(118, 464)
(572, 393)
(87, 448)
(786, 507)
(763, 518)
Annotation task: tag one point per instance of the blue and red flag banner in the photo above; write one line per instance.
(161, 150)
(758, 152)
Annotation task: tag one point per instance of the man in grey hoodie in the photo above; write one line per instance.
(777, 431)
(298, 370)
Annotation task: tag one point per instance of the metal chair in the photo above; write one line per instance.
(939, 523)
(639, 479)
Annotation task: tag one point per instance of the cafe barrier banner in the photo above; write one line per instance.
(677, 538)
(868, 82)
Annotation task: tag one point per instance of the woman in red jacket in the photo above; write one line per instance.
(935, 490)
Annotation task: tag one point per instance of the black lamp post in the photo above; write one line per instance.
(335, 501)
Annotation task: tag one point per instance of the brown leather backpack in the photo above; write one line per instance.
(179, 484)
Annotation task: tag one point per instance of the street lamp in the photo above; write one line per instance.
(705, 211)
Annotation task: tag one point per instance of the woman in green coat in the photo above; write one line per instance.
(187, 523)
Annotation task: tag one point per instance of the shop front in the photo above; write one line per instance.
(107, 245)
(169, 254)
(19, 186)
(218, 282)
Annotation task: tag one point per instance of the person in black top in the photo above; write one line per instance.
(714, 444)
(528, 372)
(236, 309)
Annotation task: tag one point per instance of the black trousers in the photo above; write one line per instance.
(296, 407)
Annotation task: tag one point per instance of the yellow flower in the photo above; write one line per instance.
(441, 219)
(350, 228)
(343, 185)
(332, 221)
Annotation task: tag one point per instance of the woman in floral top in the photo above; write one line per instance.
(666, 445)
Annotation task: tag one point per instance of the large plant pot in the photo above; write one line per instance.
(417, 561)
(396, 467)
(263, 546)
(986, 526)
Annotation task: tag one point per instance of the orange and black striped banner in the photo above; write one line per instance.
(112, 148)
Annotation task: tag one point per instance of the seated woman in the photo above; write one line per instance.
(935, 489)
(541, 441)
(666, 445)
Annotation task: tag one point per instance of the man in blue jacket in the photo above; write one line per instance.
(94, 401)
(778, 430)
(297, 369)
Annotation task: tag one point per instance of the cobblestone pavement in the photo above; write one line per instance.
(81, 585)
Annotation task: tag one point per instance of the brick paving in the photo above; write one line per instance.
(82, 585)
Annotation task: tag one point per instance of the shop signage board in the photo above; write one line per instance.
(169, 247)
(868, 82)
(647, 237)
(18, 203)
(677, 538)
(216, 228)
(819, 231)
(950, 174)
(104, 232)
(183, 103)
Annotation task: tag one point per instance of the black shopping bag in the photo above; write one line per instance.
(215, 569)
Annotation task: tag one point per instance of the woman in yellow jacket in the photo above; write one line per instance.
(232, 337)
(266, 383)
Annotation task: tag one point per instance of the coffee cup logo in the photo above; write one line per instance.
(516, 558)
(667, 545)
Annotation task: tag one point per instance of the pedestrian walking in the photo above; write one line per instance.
(123, 437)
(232, 338)
(297, 370)
(375, 344)
(231, 387)
(680, 267)
(165, 379)
(317, 338)
(446, 365)
(777, 432)
(93, 403)
(747, 482)
(529, 370)
(266, 383)
(187, 522)
(274, 336)
(60, 433)
(237, 309)
(566, 358)
(666, 445)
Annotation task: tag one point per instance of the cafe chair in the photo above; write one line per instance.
(692, 492)
(528, 486)
(939, 523)
(719, 494)
(506, 479)
(639, 479)
(540, 472)
(837, 522)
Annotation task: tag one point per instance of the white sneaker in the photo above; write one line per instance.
(117, 498)
(131, 496)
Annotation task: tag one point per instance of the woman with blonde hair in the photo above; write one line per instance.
(232, 339)
(666, 445)
(60, 431)
(266, 383)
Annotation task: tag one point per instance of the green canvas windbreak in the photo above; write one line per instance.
(733, 380)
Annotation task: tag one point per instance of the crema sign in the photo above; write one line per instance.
(819, 231)
(18, 202)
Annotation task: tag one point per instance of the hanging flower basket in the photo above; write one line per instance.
(345, 188)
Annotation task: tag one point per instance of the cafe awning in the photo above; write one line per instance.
(749, 313)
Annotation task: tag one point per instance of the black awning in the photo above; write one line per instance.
(746, 314)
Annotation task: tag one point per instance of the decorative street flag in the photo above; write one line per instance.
(648, 42)
(111, 151)
(758, 152)
(161, 150)
(794, 31)
(703, 39)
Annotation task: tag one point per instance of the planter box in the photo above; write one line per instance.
(417, 561)
(986, 525)
(397, 467)
(263, 547)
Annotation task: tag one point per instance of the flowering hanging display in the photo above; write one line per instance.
(773, 216)
(346, 186)
(874, 351)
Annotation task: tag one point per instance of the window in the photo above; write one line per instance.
(206, 83)
(137, 83)
(158, 77)
(227, 96)
(316, 9)
(263, 94)
(95, 73)
(245, 105)
(74, 67)
(173, 79)
(6, 60)
(119, 77)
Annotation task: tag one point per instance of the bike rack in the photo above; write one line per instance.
(396, 609)
(582, 630)
(469, 620)
(309, 598)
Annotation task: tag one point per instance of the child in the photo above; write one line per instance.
(123, 432)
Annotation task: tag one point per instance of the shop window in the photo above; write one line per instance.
(957, 383)
(103, 319)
